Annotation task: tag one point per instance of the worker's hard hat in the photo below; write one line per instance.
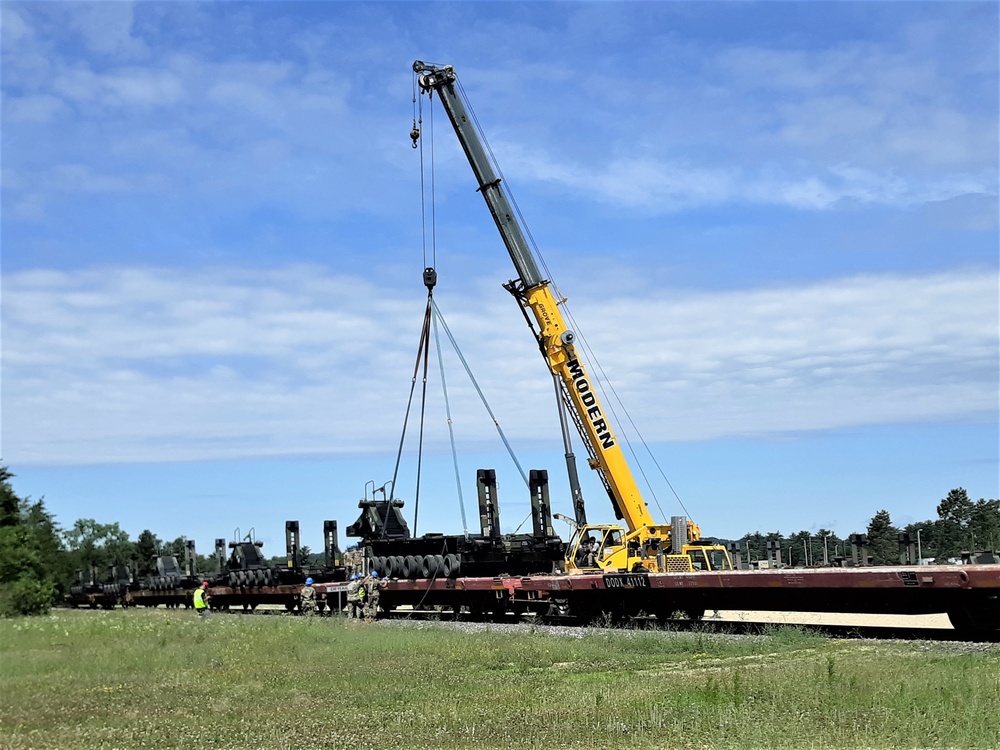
(374, 574)
(309, 581)
(204, 583)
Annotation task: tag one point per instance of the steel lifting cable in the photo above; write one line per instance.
(561, 300)
(451, 425)
(482, 396)
(418, 142)
(430, 278)
(423, 412)
(614, 412)
(421, 349)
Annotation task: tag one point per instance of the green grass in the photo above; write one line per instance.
(161, 679)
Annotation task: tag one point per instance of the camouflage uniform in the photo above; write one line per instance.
(354, 559)
(356, 596)
(371, 605)
(307, 600)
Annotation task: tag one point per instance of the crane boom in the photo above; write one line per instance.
(535, 293)
(557, 342)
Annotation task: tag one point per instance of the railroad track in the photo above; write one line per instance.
(746, 627)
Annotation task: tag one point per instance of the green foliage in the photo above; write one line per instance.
(26, 596)
(984, 525)
(964, 525)
(146, 547)
(961, 525)
(98, 544)
(883, 539)
(31, 557)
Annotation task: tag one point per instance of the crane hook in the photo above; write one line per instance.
(415, 134)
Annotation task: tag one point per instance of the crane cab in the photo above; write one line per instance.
(592, 547)
(595, 548)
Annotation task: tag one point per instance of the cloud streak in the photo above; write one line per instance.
(142, 364)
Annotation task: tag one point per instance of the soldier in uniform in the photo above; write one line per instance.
(307, 599)
(371, 606)
(357, 593)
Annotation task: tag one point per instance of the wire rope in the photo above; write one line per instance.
(603, 383)
(451, 424)
(482, 396)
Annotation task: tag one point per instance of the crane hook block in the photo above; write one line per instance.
(430, 278)
(415, 135)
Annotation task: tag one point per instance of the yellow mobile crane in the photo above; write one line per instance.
(644, 545)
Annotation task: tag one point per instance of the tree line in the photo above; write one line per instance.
(962, 525)
(39, 560)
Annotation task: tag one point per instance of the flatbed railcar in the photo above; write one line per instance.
(968, 594)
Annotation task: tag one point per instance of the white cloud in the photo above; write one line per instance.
(138, 364)
(654, 185)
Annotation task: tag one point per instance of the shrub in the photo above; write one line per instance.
(26, 596)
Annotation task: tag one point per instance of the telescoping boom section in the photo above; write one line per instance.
(644, 543)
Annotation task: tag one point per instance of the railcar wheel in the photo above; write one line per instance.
(976, 617)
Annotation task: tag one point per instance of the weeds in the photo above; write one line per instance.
(162, 679)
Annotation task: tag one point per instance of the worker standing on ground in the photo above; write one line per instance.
(307, 598)
(356, 596)
(371, 606)
(201, 600)
(359, 607)
(352, 595)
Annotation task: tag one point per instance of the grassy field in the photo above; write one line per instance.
(161, 679)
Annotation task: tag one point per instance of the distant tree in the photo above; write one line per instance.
(176, 548)
(29, 553)
(952, 527)
(98, 544)
(883, 539)
(752, 546)
(984, 525)
(147, 546)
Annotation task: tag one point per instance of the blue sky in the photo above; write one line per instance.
(776, 224)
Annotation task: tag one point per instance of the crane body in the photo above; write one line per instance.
(643, 543)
